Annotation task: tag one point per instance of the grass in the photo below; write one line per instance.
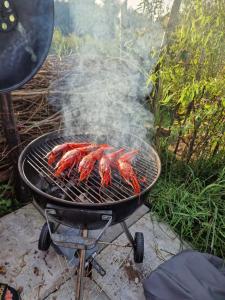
(7, 201)
(191, 200)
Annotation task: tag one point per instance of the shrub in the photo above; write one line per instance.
(192, 81)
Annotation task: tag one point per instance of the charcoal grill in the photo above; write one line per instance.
(87, 205)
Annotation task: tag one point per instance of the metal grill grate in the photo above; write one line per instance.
(145, 165)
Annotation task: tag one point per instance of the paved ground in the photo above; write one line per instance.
(47, 275)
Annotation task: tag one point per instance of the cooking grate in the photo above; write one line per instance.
(146, 166)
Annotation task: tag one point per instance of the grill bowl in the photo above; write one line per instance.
(66, 193)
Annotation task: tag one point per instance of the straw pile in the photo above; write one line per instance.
(34, 115)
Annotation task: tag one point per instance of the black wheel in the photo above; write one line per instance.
(45, 238)
(139, 247)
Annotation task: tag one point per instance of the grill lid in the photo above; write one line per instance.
(26, 29)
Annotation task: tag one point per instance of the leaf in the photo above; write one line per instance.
(167, 99)
(223, 102)
(151, 79)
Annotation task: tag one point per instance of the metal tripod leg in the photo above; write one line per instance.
(81, 271)
(128, 234)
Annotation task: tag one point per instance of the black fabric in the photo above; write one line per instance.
(24, 48)
(4, 288)
(189, 275)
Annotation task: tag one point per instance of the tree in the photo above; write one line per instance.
(192, 74)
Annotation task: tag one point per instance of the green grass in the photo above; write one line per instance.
(192, 201)
(8, 203)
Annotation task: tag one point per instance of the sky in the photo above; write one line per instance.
(133, 3)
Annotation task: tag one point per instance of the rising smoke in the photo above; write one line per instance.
(108, 82)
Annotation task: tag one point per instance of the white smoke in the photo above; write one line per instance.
(108, 82)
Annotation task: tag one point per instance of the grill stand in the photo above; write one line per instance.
(81, 272)
(13, 141)
(128, 234)
(79, 249)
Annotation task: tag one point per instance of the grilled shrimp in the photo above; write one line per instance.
(73, 157)
(87, 163)
(129, 155)
(127, 172)
(62, 149)
(105, 166)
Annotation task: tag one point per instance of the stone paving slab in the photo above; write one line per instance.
(66, 291)
(22, 265)
(36, 274)
(124, 278)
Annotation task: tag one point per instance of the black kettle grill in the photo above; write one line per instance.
(78, 214)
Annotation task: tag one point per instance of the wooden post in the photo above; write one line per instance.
(13, 140)
(81, 271)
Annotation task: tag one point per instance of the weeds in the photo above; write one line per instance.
(193, 207)
(7, 202)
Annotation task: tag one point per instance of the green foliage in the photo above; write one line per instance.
(152, 8)
(192, 206)
(65, 45)
(188, 98)
(192, 81)
(7, 204)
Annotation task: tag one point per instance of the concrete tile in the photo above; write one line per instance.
(66, 291)
(36, 274)
(124, 278)
(39, 275)
(33, 272)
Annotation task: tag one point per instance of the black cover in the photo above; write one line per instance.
(5, 289)
(189, 275)
(24, 47)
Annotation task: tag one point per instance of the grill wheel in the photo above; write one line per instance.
(45, 239)
(139, 247)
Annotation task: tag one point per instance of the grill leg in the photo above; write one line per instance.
(13, 141)
(81, 271)
(128, 234)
